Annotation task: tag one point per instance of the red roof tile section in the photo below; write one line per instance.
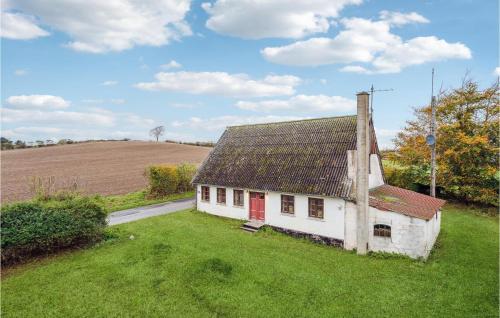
(394, 199)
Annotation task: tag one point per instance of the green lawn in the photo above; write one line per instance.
(136, 199)
(195, 265)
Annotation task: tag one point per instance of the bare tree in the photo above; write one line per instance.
(157, 132)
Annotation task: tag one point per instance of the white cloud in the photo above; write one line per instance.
(38, 102)
(29, 133)
(97, 26)
(382, 132)
(20, 72)
(306, 103)
(18, 26)
(417, 51)
(323, 81)
(186, 105)
(55, 117)
(222, 84)
(92, 101)
(221, 122)
(367, 41)
(93, 123)
(398, 18)
(253, 19)
(109, 83)
(171, 65)
(385, 137)
(138, 121)
(355, 69)
(496, 71)
(117, 101)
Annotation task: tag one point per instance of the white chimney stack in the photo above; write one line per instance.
(363, 155)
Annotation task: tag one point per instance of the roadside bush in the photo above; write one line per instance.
(36, 228)
(163, 180)
(169, 179)
(185, 172)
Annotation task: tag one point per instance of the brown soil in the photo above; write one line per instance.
(100, 167)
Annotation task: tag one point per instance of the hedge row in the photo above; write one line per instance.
(169, 179)
(31, 229)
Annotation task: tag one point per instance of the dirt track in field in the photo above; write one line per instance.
(100, 167)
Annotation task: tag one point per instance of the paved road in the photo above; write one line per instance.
(135, 214)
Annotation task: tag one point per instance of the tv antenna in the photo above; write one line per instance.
(373, 90)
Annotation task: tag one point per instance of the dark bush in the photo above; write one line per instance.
(31, 229)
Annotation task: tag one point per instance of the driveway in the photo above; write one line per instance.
(135, 214)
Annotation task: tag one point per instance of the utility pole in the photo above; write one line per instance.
(432, 142)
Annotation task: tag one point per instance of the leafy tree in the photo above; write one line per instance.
(467, 143)
(157, 132)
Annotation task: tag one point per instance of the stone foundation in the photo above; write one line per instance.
(312, 237)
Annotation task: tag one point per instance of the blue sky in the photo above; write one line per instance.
(115, 69)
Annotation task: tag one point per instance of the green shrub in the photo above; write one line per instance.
(168, 179)
(185, 172)
(163, 180)
(406, 177)
(35, 228)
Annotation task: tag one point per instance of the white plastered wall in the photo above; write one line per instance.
(227, 209)
(410, 236)
(332, 224)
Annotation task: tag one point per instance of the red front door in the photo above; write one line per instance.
(257, 206)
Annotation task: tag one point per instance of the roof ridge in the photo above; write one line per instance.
(291, 121)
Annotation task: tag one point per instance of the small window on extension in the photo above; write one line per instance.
(382, 230)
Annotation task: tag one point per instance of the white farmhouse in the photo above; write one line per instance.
(308, 178)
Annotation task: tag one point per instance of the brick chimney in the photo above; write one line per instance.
(362, 162)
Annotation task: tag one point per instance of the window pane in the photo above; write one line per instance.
(287, 202)
(221, 195)
(238, 198)
(205, 193)
(316, 208)
(382, 230)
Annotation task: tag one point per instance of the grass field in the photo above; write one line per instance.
(191, 264)
(105, 168)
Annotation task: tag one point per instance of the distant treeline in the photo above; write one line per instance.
(195, 143)
(20, 144)
(7, 144)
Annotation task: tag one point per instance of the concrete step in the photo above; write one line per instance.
(254, 224)
(248, 229)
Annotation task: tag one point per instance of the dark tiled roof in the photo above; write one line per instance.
(389, 198)
(306, 156)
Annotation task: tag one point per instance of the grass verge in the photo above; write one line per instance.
(190, 264)
(137, 199)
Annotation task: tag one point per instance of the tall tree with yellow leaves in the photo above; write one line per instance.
(467, 143)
